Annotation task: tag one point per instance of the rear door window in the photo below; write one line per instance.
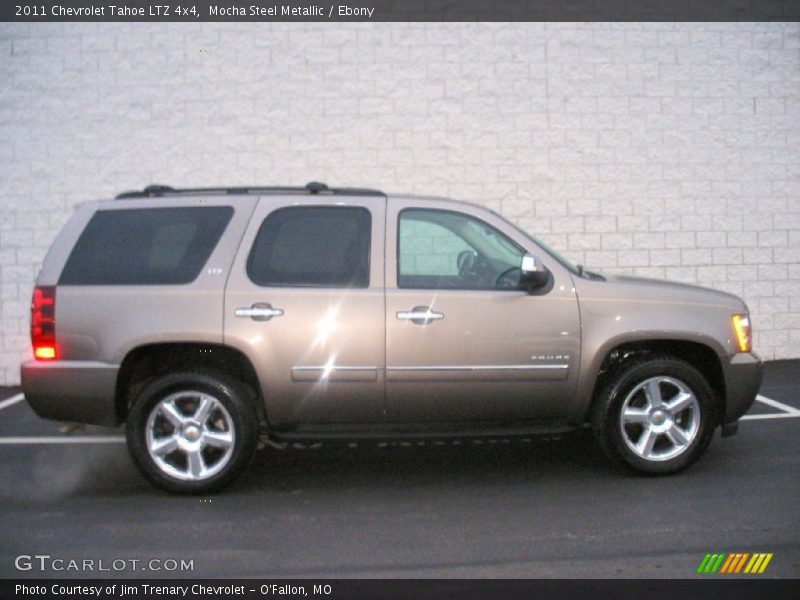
(322, 246)
(151, 246)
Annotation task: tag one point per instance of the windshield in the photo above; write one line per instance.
(561, 260)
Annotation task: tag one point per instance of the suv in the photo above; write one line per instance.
(209, 319)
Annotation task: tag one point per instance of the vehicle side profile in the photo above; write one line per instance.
(208, 319)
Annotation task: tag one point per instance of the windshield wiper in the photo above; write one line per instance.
(589, 274)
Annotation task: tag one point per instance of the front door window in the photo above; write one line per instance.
(447, 250)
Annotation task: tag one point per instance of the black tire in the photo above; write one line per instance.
(228, 434)
(626, 443)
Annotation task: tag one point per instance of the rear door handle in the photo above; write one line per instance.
(420, 315)
(260, 311)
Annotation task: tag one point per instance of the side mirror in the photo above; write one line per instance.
(534, 274)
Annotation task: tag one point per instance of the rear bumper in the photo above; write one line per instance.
(79, 391)
(743, 376)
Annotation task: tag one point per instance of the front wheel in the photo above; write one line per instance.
(656, 416)
(192, 432)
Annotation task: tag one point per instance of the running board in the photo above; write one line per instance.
(276, 437)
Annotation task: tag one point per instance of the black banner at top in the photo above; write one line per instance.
(398, 10)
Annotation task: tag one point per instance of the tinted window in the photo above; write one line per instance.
(447, 250)
(145, 246)
(313, 246)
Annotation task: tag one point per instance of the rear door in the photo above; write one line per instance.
(305, 301)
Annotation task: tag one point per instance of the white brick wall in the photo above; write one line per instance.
(666, 150)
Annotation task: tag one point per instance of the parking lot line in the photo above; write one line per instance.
(769, 416)
(779, 405)
(64, 439)
(13, 400)
(788, 412)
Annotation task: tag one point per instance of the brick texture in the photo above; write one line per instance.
(665, 150)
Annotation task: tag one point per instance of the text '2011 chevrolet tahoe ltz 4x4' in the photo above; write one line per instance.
(204, 319)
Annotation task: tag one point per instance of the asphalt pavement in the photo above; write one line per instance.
(501, 508)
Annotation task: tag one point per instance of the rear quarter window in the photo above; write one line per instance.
(152, 246)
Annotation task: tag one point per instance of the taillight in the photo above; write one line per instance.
(43, 323)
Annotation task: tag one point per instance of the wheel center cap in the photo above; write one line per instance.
(191, 433)
(658, 418)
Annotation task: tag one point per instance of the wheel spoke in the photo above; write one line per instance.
(679, 403)
(171, 413)
(196, 463)
(203, 409)
(653, 393)
(646, 442)
(218, 439)
(677, 435)
(165, 445)
(635, 415)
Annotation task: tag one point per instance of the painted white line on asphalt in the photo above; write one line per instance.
(64, 439)
(787, 412)
(779, 405)
(10, 401)
(769, 416)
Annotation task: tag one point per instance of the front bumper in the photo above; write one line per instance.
(743, 376)
(79, 391)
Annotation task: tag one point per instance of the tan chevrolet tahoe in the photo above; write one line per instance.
(209, 319)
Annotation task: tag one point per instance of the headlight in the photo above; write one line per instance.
(741, 327)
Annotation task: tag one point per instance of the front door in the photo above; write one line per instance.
(305, 300)
(464, 342)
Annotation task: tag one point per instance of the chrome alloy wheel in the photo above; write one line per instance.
(660, 418)
(190, 435)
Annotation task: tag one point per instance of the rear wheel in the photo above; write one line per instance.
(192, 432)
(656, 416)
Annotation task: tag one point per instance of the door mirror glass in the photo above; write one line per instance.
(534, 273)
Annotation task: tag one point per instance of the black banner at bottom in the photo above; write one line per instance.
(422, 589)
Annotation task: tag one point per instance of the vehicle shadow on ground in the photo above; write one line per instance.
(46, 474)
(401, 465)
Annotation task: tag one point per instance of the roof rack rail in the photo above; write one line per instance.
(313, 187)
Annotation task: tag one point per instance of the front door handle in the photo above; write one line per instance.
(420, 315)
(260, 311)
